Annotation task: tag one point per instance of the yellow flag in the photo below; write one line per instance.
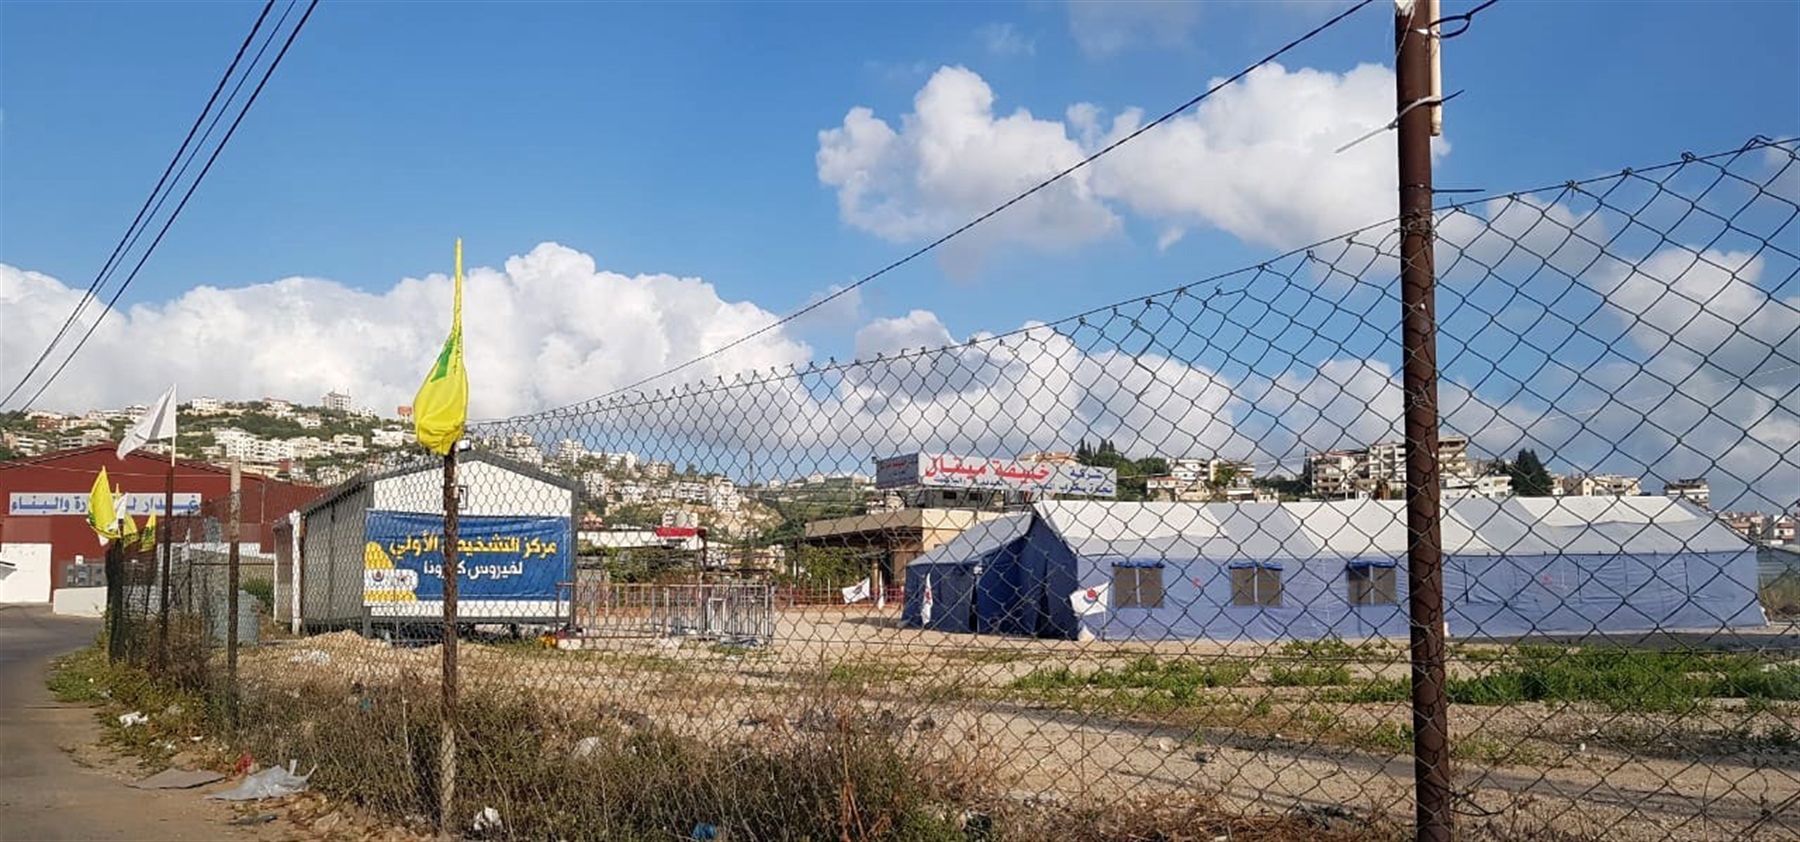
(100, 509)
(150, 532)
(441, 407)
(128, 527)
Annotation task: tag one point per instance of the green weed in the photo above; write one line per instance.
(88, 677)
(1387, 737)
(1627, 679)
(1332, 649)
(1328, 676)
(1376, 690)
(1492, 752)
(1177, 677)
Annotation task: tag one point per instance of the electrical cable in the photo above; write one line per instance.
(128, 237)
(213, 158)
(934, 244)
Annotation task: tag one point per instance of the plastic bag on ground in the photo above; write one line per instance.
(273, 782)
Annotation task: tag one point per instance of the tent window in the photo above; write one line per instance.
(1137, 587)
(1256, 586)
(1371, 585)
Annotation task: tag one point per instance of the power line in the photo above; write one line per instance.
(1213, 282)
(195, 185)
(129, 237)
(934, 244)
(217, 116)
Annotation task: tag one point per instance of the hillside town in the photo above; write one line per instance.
(327, 443)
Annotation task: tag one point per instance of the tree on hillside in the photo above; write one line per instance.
(643, 515)
(1529, 476)
(1132, 472)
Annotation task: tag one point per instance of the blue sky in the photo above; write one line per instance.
(681, 138)
(776, 150)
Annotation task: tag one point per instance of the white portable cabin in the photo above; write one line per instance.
(332, 586)
(1512, 567)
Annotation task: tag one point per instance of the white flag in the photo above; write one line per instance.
(1090, 600)
(857, 592)
(157, 423)
(925, 603)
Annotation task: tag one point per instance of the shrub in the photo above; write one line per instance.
(264, 591)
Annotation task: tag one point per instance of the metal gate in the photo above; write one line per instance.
(733, 611)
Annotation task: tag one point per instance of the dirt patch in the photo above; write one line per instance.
(1258, 728)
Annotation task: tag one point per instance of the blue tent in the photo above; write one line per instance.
(1011, 575)
(1269, 571)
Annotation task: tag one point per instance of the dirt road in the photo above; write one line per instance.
(53, 785)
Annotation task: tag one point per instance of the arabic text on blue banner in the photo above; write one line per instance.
(499, 558)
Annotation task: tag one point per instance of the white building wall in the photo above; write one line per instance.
(80, 602)
(29, 580)
(491, 490)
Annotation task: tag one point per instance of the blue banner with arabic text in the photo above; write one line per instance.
(510, 559)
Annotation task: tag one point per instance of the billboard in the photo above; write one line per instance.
(506, 564)
(941, 470)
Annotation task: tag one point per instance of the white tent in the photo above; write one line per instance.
(1512, 567)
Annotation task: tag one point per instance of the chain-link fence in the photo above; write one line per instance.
(180, 582)
(1140, 573)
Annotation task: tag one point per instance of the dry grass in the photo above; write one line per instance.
(1240, 729)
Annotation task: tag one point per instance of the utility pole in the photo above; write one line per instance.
(1415, 105)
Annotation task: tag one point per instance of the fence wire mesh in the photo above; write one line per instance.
(1133, 574)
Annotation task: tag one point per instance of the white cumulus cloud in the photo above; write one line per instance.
(547, 328)
(1258, 160)
(952, 158)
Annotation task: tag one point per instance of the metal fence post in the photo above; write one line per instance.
(232, 530)
(1425, 570)
(115, 602)
(168, 533)
(447, 743)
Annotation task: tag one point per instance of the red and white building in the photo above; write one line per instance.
(44, 530)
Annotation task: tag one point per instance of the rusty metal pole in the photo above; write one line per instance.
(168, 532)
(447, 728)
(115, 602)
(232, 529)
(1424, 556)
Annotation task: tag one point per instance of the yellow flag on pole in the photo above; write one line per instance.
(100, 509)
(150, 532)
(128, 528)
(441, 408)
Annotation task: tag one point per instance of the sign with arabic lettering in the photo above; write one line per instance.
(506, 559)
(941, 470)
(76, 503)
